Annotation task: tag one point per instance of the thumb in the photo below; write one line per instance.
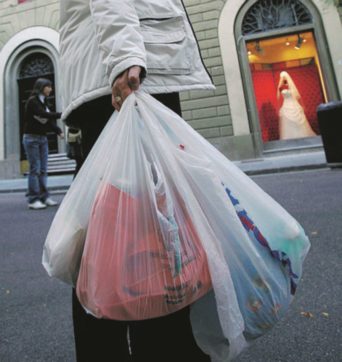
(134, 77)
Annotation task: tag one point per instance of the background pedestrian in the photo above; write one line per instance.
(38, 121)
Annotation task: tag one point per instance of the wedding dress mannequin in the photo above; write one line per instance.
(292, 120)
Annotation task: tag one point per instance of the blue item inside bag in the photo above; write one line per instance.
(261, 308)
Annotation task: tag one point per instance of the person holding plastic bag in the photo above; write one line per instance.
(116, 43)
(158, 223)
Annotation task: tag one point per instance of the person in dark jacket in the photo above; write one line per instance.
(38, 121)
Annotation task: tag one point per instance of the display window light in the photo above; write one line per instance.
(299, 42)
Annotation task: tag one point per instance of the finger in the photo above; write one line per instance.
(121, 88)
(134, 77)
(125, 93)
(116, 91)
(115, 103)
(117, 100)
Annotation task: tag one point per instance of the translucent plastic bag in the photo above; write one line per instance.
(154, 194)
(153, 262)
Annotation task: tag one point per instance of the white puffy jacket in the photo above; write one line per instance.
(101, 38)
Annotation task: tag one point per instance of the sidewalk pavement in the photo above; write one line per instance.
(284, 163)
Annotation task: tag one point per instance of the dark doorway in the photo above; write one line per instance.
(35, 66)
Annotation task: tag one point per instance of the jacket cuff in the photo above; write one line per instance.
(125, 64)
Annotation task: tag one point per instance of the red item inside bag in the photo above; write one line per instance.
(127, 270)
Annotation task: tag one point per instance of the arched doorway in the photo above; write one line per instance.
(274, 36)
(31, 40)
(35, 65)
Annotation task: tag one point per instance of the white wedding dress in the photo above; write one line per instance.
(292, 120)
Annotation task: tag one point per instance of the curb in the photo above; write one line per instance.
(286, 169)
(62, 188)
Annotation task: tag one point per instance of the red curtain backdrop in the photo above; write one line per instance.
(265, 84)
(266, 97)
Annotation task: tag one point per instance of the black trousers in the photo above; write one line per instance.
(164, 339)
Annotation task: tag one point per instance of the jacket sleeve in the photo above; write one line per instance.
(53, 127)
(38, 111)
(40, 115)
(118, 33)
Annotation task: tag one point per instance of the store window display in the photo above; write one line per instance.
(296, 55)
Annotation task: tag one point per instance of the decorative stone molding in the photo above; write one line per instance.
(267, 15)
(35, 66)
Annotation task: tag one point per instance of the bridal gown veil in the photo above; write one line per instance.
(292, 120)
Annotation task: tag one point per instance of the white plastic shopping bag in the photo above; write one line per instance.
(158, 219)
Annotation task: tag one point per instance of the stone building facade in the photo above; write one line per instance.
(235, 39)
